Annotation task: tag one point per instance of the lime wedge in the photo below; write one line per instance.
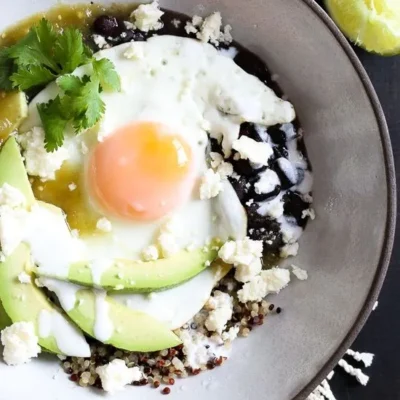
(13, 109)
(371, 24)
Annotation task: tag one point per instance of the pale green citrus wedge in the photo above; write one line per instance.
(371, 24)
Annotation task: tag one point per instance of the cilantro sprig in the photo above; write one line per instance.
(46, 55)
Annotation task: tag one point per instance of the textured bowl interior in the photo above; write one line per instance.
(342, 249)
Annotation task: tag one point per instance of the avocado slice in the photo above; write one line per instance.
(135, 276)
(12, 170)
(25, 302)
(4, 319)
(129, 330)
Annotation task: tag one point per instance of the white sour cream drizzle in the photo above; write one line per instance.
(97, 268)
(103, 326)
(65, 292)
(69, 339)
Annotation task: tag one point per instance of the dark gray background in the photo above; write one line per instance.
(381, 334)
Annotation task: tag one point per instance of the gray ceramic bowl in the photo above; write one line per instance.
(346, 249)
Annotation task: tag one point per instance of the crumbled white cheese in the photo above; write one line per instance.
(241, 252)
(225, 169)
(218, 164)
(168, 244)
(308, 213)
(267, 182)
(72, 186)
(299, 273)
(147, 17)
(211, 185)
(246, 272)
(38, 161)
(221, 309)
(150, 253)
(12, 227)
(20, 343)
(276, 279)
(217, 319)
(256, 152)
(134, 51)
(289, 250)
(100, 42)
(211, 29)
(193, 27)
(103, 224)
(255, 290)
(116, 375)
(269, 281)
(176, 22)
(231, 334)
(199, 349)
(23, 277)
(12, 197)
(216, 160)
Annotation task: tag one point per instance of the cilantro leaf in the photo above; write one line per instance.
(43, 48)
(33, 76)
(71, 84)
(54, 123)
(37, 48)
(88, 106)
(6, 70)
(108, 77)
(70, 50)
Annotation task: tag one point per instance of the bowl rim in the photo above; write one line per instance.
(387, 246)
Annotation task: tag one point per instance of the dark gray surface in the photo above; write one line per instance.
(381, 335)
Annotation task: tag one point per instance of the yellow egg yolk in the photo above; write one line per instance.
(141, 172)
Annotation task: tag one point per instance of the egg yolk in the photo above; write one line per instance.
(141, 172)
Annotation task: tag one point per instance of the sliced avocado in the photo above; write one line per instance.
(134, 276)
(25, 302)
(12, 170)
(4, 319)
(131, 330)
(13, 110)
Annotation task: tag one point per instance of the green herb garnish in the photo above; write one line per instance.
(45, 55)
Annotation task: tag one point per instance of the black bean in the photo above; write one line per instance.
(294, 206)
(241, 187)
(286, 172)
(245, 168)
(277, 135)
(249, 130)
(108, 26)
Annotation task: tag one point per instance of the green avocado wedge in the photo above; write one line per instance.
(133, 276)
(4, 319)
(24, 301)
(94, 313)
(12, 170)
